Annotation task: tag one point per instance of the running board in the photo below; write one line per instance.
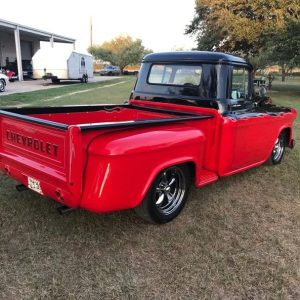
(205, 177)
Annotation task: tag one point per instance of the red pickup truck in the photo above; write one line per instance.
(190, 119)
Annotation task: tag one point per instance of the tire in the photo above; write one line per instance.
(2, 85)
(55, 80)
(278, 150)
(85, 79)
(166, 196)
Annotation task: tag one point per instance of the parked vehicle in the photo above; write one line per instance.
(27, 69)
(3, 82)
(12, 70)
(11, 75)
(110, 71)
(62, 64)
(191, 119)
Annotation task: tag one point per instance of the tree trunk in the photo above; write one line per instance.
(254, 72)
(283, 73)
(122, 69)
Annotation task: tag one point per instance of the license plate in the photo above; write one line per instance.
(34, 185)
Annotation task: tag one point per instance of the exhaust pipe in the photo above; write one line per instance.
(62, 210)
(21, 188)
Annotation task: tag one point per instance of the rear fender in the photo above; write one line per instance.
(122, 165)
(287, 127)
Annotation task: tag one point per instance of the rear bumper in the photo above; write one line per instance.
(54, 189)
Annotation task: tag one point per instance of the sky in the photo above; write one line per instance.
(159, 23)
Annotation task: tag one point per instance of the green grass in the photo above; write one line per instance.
(91, 93)
(238, 238)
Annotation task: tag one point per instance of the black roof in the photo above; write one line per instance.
(193, 56)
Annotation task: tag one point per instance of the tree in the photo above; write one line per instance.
(284, 48)
(240, 26)
(259, 61)
(121, 51)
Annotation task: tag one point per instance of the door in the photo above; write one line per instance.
(82, 69)
(249, 134)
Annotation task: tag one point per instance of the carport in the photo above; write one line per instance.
(18, 40)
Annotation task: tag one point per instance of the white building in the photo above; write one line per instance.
(19, 43)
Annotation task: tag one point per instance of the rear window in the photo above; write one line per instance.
(183, 75)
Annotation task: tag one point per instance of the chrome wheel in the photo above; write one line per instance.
(278, 149)
(170, 190)
(2, 85)
(167, 195)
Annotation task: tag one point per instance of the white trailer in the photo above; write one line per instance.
(62, 64)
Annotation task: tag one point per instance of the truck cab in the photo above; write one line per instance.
(199, 78)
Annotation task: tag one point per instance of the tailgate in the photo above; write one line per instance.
(41, 156)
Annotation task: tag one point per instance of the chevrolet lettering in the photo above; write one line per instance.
(32, 143)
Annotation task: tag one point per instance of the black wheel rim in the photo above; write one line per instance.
(170, 190)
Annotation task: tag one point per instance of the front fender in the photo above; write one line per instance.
(122, 165)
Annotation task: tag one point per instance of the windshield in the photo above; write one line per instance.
(240, 83)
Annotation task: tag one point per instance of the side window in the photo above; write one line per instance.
(240, 83)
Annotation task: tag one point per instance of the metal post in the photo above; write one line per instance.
(91, 32)
(74, 47)
(18, 53)
(52, 41)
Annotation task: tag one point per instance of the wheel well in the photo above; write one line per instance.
(286, 133)
(192, 168)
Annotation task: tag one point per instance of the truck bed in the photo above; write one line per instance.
(46, 149)
(100, 116)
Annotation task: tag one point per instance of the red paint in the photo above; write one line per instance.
(111, 169)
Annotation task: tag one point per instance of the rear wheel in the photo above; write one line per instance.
(278, 150)
(167, 195)
(2, 85)
(84, 79)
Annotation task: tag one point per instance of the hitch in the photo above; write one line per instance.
(63, 209)
(21, 188)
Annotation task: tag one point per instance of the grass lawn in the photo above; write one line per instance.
(112, 91)
(238, 238)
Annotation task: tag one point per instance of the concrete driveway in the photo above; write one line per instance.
(34, 85)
